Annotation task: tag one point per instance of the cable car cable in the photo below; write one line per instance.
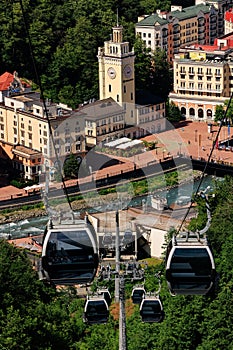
(43, 101)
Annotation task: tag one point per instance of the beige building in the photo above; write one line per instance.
(203, 78)
(144, 113)
(104, 121)
(25, 131)
(116, 69)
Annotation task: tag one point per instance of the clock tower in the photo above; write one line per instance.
(116, 69)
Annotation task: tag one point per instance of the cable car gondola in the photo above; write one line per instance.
(190, 267)
(69, 252)
(138, 294)
(96, 310)
(151, 309)
(127, 238)
(105, 292)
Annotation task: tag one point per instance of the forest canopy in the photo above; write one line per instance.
(64, 37)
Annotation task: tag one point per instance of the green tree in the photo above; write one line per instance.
(219, 113)
(71, 167)
(142, 65)
(173, 113)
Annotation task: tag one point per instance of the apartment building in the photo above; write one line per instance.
(201, 24)
(104, 121)
(203, 78)
(228, 21)
(24, 126)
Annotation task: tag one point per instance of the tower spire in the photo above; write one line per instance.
(117, 18)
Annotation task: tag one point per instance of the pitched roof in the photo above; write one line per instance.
(7, 78)
(5, 81)
(152, 20)
(190, 12)
(185, 13)
(102, 108)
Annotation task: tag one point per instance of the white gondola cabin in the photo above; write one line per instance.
(105, 292)
(151, 309)
(190, 267)
(69, 253)
(96, 310)
(138, 294)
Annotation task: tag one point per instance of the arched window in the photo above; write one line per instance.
(209, 113)
(183, 110)
(200, 113)
(192, 112)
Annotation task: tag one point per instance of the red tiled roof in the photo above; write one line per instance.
(5, 80)
(229, 15)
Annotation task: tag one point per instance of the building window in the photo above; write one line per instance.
(118, 98)
(109, 88)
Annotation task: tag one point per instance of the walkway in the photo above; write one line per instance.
(189, 138)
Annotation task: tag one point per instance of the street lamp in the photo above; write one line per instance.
(163, 153)
(180, 144)
(196, 135)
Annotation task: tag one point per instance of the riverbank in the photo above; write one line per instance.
(91, 202)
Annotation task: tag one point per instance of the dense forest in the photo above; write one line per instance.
(35, 316)
(63, 36)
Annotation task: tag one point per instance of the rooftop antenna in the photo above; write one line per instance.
(117, 19)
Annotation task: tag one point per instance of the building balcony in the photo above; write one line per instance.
(186, 89)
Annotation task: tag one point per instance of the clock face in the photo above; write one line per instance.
(111, 73)
(128, 71)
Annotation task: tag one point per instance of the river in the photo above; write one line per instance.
(36, 226)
